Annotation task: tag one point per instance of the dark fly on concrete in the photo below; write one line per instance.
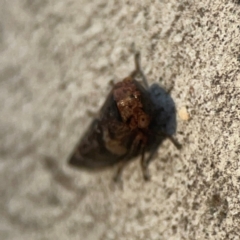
(133, 121)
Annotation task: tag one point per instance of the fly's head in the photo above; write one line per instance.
(129, 103)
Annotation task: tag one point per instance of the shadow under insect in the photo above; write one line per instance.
(164, 123)
(134, 120)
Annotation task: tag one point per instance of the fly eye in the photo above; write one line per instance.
(143, 122)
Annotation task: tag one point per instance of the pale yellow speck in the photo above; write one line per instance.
(183, 114)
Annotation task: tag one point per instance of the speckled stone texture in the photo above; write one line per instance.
(57, 59)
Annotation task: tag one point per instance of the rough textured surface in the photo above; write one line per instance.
(57, 59)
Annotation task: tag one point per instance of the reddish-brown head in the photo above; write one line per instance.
(129, 103)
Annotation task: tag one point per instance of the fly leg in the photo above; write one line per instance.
(144, 166)
(174, 142)
(124, 162)
(117, 178)
(146, 161)
(138, 142)
(138, 70)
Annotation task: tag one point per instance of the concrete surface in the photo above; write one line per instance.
(57, 60)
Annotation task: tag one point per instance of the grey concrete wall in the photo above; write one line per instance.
(56, 61)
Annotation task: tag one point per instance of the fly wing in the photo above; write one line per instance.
(106, 142)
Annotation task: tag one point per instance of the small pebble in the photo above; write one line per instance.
(183, 114)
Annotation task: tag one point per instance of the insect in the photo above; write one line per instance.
(127, 126)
